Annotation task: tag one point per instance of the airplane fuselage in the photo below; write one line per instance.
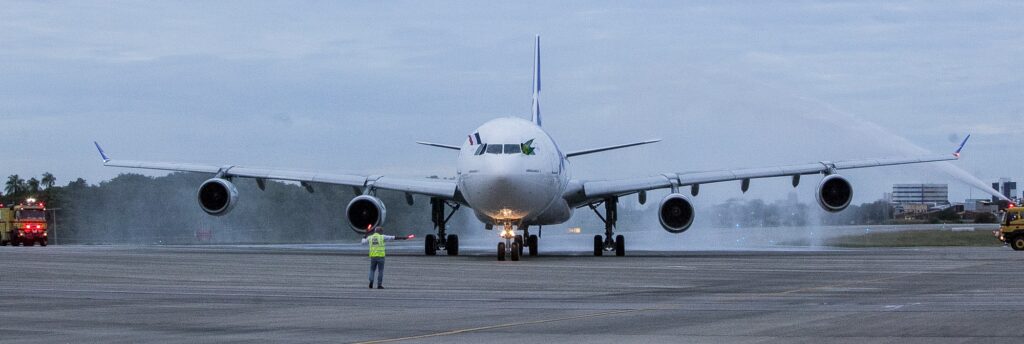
(510, 171)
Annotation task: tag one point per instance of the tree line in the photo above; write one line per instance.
(17, 189)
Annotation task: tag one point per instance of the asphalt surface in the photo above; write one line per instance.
(318, 293)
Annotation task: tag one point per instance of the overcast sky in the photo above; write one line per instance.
(348, 87)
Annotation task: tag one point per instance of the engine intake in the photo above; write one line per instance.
(676, 213)
(834, 193)
(217, 196)
(364, 212)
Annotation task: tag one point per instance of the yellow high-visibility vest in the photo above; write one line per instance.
(376, 245)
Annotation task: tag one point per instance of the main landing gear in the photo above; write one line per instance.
(513, 244)
(618, 244)
(449, 242)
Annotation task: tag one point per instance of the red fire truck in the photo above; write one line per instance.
(23, 224)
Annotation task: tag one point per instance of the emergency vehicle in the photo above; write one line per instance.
(23, 224)
(1011, 227)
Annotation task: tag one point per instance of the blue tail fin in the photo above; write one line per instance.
(536, 82)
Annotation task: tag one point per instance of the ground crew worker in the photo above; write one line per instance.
(376, 239)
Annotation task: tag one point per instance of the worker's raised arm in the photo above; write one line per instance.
(389, 238)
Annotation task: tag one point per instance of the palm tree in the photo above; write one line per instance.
(48, 180)
(33, 186)
(14, 185)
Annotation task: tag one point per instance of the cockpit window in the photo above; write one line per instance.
(507, 148)
(513, 149)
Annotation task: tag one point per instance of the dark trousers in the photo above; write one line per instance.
(377, 264)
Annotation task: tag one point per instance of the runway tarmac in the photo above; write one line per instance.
(318, 293)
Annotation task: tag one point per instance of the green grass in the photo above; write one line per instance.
(917, 239)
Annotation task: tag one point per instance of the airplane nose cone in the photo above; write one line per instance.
(505, 195)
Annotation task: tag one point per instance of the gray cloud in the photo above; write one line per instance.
(348, 87)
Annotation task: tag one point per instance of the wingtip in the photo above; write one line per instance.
(103, 155)
(961, 147)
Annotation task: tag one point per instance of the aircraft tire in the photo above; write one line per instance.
(620, 245)
(501, 251)
(532, 242)
(515, 251)
(519, 244)
(453, 245)
(598, 246)
(430, 245)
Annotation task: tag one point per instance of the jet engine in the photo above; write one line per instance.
(217, 196)
(675, 213)
(834, 193)
(365, 211)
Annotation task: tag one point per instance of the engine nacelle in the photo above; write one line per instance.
(834, 193)
(675, 213)
(365, 211)
(217, 196)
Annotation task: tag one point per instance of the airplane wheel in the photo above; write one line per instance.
(519, 243)
(430, 245)
(532, 242)
(515, 251)
(453, 245)
(501, 251)
(598, 246)
(620, 245)
(1017, 243)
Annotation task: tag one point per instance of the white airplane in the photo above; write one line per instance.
(512, 174)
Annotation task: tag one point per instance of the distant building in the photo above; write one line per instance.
(980, 206)
(1006, 187)
(920, 194)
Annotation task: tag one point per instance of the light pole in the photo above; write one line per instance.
(54, 216)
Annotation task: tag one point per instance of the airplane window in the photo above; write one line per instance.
(480, 150)
(494, 149)
(513, 149)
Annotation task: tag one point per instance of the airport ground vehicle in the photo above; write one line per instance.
(23, 224)
(1011, 228)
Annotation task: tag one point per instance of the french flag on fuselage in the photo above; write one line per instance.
(474, 139)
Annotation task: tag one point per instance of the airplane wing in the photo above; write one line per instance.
(593, 190)
(429, 187)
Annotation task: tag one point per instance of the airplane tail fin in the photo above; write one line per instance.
(536, 82)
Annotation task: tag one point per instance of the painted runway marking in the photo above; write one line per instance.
(485, 328)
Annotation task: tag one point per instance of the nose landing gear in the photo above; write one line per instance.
(514, 244)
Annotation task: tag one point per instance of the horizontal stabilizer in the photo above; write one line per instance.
(602, 149)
